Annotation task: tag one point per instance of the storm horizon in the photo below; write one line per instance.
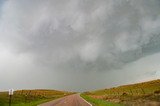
(78, 45)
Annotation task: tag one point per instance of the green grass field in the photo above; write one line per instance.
(99, 102)
(132, 89)
(140, 93)
(30, 97)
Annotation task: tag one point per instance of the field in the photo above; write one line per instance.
(30, 97)
(99, 102)
(146, 93)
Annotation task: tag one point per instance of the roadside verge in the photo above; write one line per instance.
(98, 102)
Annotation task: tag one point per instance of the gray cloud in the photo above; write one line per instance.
(80, 36)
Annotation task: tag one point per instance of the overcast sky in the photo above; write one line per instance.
(78, 45)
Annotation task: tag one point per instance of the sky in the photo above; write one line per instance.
(78, 45)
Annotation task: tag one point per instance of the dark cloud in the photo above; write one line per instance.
(83, 36)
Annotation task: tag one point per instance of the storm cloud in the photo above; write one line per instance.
(78, 44)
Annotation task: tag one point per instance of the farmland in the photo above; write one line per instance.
(30, 97)
(135, 94)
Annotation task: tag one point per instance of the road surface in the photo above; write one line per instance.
(71, 100)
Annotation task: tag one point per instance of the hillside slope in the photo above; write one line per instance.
(31, 97)
(145, 93)
(133, 89)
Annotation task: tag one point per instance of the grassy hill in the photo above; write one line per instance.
(31, 97)
(133, 94)
(132, 89)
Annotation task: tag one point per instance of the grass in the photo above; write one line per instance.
(30, 97)
(33, 103)
(99, 102)
(139, 93)
(132, 89)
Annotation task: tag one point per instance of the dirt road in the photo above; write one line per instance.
(72, 100)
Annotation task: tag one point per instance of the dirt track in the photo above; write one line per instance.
(72, 100)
